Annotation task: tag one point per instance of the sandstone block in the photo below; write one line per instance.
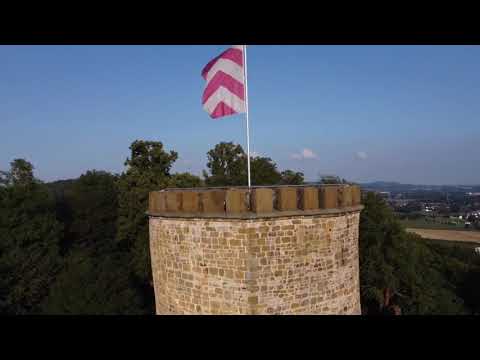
(156, 202)
(190, 201)
(286, 199)
(262, 200)
(356, 195)
(236, 201)
(174, 201)
(344, 196)
(329, 197)
(213, 201)
(309, 198)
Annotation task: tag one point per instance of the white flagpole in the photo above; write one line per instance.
(246, 108)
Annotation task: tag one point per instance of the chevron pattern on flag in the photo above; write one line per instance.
(224, 92)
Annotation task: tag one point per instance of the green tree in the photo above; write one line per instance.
(21, 172)
(94, 285)
(331, 179)
(96, 274)
(148, 169)
(263, 171)
(289, 177)
(185, 180)
(226, 164)
(29, 241)
(92, 202)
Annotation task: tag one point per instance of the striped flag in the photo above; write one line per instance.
(225, 89)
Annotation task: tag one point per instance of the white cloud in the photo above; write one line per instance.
(361, 155)
(254, 154)
(308, 154)
(304, 154)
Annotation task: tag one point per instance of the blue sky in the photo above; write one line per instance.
(394, 113)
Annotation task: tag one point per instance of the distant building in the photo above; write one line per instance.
(399, 203)
(384, 194)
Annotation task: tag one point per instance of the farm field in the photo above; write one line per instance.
(449, 235)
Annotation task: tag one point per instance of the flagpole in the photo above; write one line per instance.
(246, 112)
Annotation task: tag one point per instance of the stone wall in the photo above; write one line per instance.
(289, 250)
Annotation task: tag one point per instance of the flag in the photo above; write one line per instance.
(224, 92)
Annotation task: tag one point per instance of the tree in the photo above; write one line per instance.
(185, 180)
(328, 179)
(148, 169)
(96, 273)
(94, 285)
(226, 163)
(21, 172)
(289, 177)
(92, 201)
(455, 207)
(264, 171)
(29, 247)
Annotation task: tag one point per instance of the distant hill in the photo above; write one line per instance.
(398, 187)
(60, 185)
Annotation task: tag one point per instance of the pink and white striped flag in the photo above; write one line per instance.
(225, 92)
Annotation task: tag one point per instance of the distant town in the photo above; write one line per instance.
(435, 206)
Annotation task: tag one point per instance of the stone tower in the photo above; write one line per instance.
(275, 250)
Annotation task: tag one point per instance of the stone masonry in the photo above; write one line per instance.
(277, 250)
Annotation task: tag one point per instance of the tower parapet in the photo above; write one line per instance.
(274, 250)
